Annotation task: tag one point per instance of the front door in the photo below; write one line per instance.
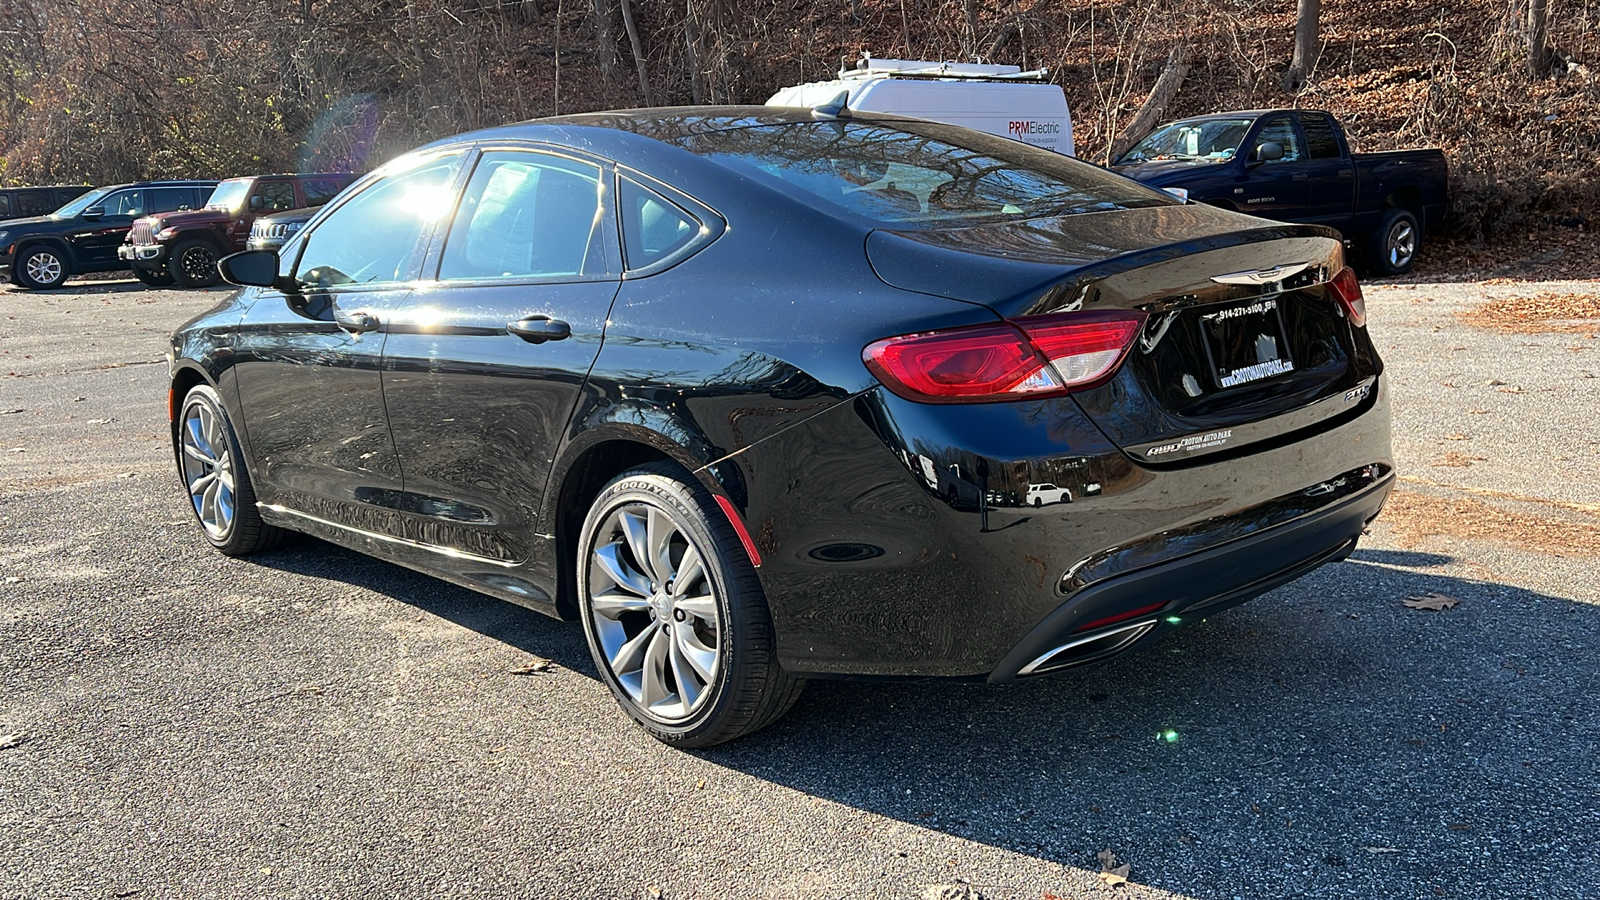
(307, 363)
(97, 235)
(483, 367)
(1274, 189)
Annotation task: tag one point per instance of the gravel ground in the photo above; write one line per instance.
(313, 723)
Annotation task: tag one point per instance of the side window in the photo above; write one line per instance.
(5, 206)
(272, 196)
(321, 190)
(169, 199)
(1281, 130)
(124, 203)
(653, 227)
(374, 237)
(35, 203)
(1321, 142)
(526, 215)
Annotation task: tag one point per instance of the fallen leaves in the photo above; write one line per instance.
(1432, 600)
(537, 667)
(1112, 874)
(1546, 312)
(15, 739)
(1456, 459)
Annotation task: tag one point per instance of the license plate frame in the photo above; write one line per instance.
(1233, 341)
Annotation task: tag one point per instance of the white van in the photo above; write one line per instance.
(1001, 100)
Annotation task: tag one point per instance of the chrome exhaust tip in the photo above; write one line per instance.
(1088, 648)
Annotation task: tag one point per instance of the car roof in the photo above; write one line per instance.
(132, 184)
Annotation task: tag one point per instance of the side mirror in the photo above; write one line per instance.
(256, 268)
(257, 202)
(1269, 151)
(94, 212)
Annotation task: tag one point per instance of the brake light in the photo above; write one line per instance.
(1034, 356)
(1347, 290)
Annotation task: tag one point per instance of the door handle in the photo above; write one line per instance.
(1301, 176)
(356, 323)
(1346, 173)
(538, 329)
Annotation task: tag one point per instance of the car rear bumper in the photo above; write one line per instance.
(1195, 585)
(914, 552)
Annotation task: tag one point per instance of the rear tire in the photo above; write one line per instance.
(41, 268)
(193, 263)
(214, 476)
(1393, 247)
(675, 617)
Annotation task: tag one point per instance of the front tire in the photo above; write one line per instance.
(215, 478)
(153, 279)
(193, 264)
(41, 268)
(675, 617)
(1395, 243)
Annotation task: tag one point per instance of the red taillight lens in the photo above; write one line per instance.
(1036, 356)
(1348, 291)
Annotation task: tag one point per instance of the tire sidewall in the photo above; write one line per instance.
(20, 267)
(692, 516)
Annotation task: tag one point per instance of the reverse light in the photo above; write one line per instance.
(1347, 290)
(1033, 356)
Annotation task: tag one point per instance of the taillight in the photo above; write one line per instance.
(1347, 289)
(1034, 356)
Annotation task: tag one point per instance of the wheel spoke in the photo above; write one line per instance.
(653, 673)
(690, 570)
(195, 453)
(661, 533)
(703, 607)
(701, 658)
(630, 655)
(614, 604)
(636, 533)
(200, 485)
(690, 680)
(620, 573)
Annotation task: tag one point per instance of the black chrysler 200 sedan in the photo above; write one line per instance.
(759, 395)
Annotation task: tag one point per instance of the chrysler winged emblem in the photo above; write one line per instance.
(1262, 276)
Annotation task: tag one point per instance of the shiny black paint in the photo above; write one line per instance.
(896, 538)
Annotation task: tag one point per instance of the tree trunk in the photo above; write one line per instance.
(605, 43)
(1149, 114)
(1308, 20)
(638, 51)
(1541, 59)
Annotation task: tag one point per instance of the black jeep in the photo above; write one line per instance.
(83, 236)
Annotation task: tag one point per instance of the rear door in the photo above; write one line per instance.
(1330, 175)
(484, 365)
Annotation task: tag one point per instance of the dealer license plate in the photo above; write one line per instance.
(1246, 343)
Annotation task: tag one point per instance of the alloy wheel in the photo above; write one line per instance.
(655, 611)
(44, 267)
(208, 469)
(199, 265)
(1402, 244)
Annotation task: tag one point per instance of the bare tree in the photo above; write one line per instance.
(638, 51)
(1307, 22)
(1166, 88)
(1541, 58)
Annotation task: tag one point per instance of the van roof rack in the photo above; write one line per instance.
(868, 67)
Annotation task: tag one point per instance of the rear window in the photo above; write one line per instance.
(919, 174)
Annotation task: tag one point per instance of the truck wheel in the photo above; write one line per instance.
(154, 279)
(41, 268)
(193, 264)
(1395, 243)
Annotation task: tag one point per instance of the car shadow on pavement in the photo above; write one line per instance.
(1324, 740)
(1321, 741)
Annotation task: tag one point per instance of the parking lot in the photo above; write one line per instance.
(311, 722)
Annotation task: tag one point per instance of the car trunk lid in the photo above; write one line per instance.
(1244, 341)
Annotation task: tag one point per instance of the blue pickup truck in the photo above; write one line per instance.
(1296, 166)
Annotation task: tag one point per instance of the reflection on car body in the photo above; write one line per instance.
(676, 375)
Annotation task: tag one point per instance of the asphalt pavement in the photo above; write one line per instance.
(314, 723)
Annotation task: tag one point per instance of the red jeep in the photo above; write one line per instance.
(184, 247)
